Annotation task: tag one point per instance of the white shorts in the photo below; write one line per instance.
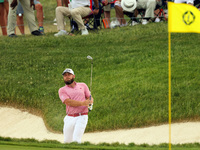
(118, 3)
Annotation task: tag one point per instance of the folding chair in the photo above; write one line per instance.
(94, 22)
(197, 4)
(159, 11)
(133, 16)
(138, 14)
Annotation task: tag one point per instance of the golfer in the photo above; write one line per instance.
(76, 97)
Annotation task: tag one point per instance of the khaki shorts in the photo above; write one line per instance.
(107, 7)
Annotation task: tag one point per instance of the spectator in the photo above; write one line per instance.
(87, 23)
(3, 15)
(20, 22)
(61, 3)
(39, 15)
(148, 5)
(77, 10)
(119, 14)
(107, 9)
(29, 14)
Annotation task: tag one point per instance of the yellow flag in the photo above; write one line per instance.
(183, 18)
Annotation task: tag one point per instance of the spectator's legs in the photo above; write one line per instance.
(77, 15)
(2, 19)
(120, 15)
(107, 9)
(11, 19)
(65, 3)
(39, 9)
(6, 10)
(117, 15)
(60, 13)
(29, 14)
(151, 5)
(107, 16)
(59, 3)
(20, 24)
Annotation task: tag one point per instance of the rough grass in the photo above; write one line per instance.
(130, 76)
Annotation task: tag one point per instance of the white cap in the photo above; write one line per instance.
(128, 5)
(68, 70)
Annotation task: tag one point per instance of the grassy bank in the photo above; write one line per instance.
(24, 144)
(130, 78)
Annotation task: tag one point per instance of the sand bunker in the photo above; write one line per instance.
(17, 124)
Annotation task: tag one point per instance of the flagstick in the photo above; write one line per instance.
(169, 45)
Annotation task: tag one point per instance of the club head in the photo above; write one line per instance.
(89, 57)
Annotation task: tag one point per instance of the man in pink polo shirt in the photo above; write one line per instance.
(76, 97)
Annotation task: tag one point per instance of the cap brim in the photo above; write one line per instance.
(63, 73)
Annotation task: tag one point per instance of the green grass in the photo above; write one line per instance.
(130, 76)
(24, 144)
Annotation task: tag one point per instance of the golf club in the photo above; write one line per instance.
(89, 57)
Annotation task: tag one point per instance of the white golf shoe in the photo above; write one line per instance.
(157, 19)
(133, 23)
(61, 33)
(144, 21)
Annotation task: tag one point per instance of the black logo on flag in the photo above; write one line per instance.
(188, 17)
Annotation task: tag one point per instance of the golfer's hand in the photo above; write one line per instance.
(13, 4)
(87, 102)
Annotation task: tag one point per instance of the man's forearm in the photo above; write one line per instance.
(74, 103)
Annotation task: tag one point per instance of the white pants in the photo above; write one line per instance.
(74, 128)
(149, 5)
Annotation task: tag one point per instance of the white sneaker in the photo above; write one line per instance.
(61, 33)
(144, 21)
(84, 32)
(157, 20)
(123, 25)
(114, 24)
(133, 23)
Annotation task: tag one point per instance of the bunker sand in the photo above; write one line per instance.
(15, 123)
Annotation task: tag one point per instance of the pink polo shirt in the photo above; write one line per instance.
(79, 93)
